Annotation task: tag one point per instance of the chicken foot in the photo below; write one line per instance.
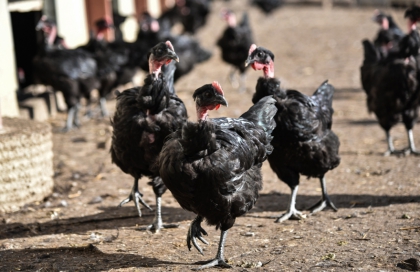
(135, 196)
(194, 232)
(412, 146)
(291, 213)
(157, 223)
(325, 201)
(219, 260)
(391, 150)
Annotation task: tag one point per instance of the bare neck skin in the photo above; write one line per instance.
(385, 23)
(51, 35)
(100, 34)
(202, 113)
(231, 20)
(411, 25)
(155, 67)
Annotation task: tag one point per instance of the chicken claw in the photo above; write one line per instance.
(194, 232)
(135, 196)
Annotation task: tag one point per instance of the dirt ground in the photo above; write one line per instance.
(80, 227)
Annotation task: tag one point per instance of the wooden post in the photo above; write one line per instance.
(141, 6)
(99, 9)
(1, 121)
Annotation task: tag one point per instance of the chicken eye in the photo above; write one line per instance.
(260, 54)
(207, 94)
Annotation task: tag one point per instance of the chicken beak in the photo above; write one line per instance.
(172, 55)
(222, 101)
(249, 61)
(39, 26)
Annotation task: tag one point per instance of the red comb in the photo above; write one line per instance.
(169, 44)
(218, 88)
(252, 48)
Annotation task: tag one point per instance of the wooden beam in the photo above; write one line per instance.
(99, 9)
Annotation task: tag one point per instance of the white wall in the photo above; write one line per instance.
(7, 65)
(130, 26)
(71, 21)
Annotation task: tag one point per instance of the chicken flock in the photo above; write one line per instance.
(213, 166)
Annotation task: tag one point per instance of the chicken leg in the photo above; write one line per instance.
(219, 260)
(102, 104)
(391, 150)
(72, 118)
(292, 213)
(412, 146)
(135, 196)
(157, 223)
(325, 201)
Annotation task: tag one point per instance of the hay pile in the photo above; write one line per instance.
(26, 167)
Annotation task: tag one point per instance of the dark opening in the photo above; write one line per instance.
(25, 39)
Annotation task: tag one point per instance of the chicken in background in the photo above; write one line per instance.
(267, 6)
(73, 72)
(234, 44)
(107, 62)
(392, 84)
(303, 142)
(213, 167)
(388, 35)
(188, 49)
(144, 117)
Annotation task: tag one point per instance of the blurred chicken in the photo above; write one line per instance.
(73, 72)
(188, 49)
(143, 118)
(234, 44)
(267, 6)
(388, 35)
(392, 83)
(213, 167)
(304, 143)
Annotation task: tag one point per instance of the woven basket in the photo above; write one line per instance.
(26, 167)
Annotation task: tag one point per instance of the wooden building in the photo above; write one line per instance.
(75, 19)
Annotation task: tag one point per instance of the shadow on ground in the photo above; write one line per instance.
(279, 202)
(111, 218)
(84, 258)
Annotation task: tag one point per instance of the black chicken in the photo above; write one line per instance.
(188, 49)
(267, 6)
(388, 35)
(73, 72)
(107, 61)
(143, 118)
(235, 42)
(303, 141)
(213, 167)
(392, 84)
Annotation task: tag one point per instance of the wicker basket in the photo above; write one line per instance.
(26, 167)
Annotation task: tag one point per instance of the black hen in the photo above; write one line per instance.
(235, 42)
(267, 6)
(392, 84)
(188, 49)
(213, 167)
(388, 35)
(143, 118)
(73, 72)
(304, 143)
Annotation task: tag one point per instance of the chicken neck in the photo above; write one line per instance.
(268, 69)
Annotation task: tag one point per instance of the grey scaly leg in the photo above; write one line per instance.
(135, 196)
(220, 259)
(291, 213)
(325, 201)
(412, 146)
(102, 104)
(157, 223)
